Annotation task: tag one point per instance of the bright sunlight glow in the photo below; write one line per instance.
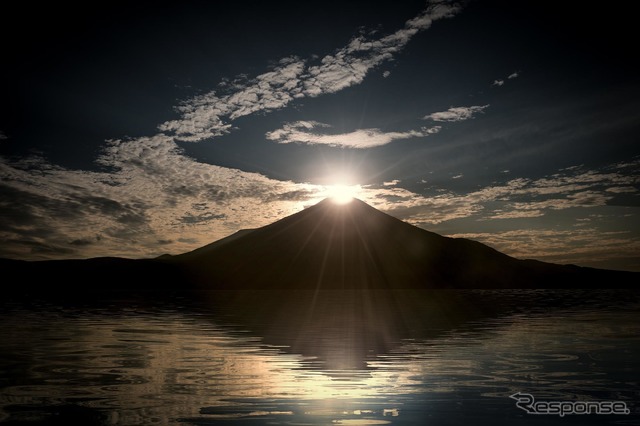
(342, 194)
(341, 187)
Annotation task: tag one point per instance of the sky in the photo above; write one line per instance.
(145, 128)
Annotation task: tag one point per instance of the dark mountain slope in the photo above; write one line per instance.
(330, 246)
(326, 246)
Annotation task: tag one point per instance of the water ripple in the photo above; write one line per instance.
(175, 366)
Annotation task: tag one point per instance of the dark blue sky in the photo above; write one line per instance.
(141, 129)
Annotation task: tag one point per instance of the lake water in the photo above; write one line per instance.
(320, 358)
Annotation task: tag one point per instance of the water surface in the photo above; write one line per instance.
(325, 358)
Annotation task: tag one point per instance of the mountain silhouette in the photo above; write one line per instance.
(324, 247)
(355, 246)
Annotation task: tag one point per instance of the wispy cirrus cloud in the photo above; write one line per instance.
(315, 133)
(501, 81)
(622, 189)
(311, 133)
(518, 198)
(211, 114)
(456, 113)
(349, 65)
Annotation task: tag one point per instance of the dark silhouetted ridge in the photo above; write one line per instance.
(326, 246)
(331, 246)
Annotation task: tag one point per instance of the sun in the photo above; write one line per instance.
(342, 194)
(341, 187)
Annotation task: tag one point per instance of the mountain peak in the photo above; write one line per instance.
(332, 245)
(354, 205)
(355, 246)
(340, 202)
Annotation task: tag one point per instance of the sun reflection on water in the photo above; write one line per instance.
(173, 368)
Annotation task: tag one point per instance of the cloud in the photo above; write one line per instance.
(516, 214)
(82, 242)
(3, 137)
(456, 113)
(386, 74)
(622, 189)
(152, 192)
(501, 81)
(349, 65)
(628, 164)
(586, 245)
(310, 133)
(516, 198)
(204, 217)
(536, 208)
(209, 115)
